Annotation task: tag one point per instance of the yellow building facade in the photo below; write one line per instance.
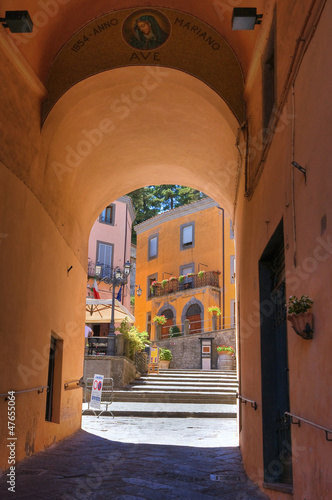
(185, 265)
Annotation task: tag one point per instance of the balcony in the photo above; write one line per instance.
(191, 281)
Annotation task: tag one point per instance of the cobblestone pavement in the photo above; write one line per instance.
(138, 459)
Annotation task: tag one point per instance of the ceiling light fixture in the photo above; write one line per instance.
(18, 21)
(245, 18)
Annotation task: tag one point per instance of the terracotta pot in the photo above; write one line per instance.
(303, 324)
(163, 365)
(225, 362)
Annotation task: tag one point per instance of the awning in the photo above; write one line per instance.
(100, 310)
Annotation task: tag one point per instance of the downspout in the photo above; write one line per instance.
(125, 247)
(223, 270)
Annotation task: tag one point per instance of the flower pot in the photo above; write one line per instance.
(164, 365)
(302, 324)
(225, 362)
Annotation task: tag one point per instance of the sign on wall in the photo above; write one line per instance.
(150, 37)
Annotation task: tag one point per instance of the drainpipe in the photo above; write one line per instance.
(223, 270)
(125, 250)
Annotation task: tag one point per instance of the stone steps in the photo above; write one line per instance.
(182, 386)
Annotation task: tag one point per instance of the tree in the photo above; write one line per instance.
(152, 200)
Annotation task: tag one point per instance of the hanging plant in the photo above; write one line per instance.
(300, 316)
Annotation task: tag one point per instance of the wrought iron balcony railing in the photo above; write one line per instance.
(172, 285)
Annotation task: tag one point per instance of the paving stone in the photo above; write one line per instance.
(139, 459)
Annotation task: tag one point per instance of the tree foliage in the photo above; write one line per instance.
(153, 200)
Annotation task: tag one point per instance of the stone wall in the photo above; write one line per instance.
(186, 350)
(121, 369)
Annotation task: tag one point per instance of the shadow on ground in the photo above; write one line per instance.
(86, 466)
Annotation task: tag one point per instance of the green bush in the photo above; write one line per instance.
(165, 354)
(174, 331)
(136, 339)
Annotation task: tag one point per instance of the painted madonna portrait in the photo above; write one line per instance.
(146, 32)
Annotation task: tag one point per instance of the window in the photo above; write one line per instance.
(150, 280)
(186, 269)
(232, 268)
(105, 258)
(153, 247)
(187, 236)
(231, 230)
(107, 215)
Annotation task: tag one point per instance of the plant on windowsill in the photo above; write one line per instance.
(153, 286)
(300, 316)
(160, 320)
(214, 310)
(226, 349)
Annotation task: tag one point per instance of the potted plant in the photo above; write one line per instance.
(160, 320)
(174, 331)
(214, 310)
(164, 283)
(225, 357)
(181, 278)
(226, 349)
(165, 356)
(300, 315)
(201, 274)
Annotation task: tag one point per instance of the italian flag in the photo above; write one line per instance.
(95, 290)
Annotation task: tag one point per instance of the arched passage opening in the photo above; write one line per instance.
(96, 149)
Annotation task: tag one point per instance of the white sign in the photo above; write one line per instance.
(96, 391)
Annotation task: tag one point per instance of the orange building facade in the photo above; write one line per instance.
(174, 244)
(242, 115)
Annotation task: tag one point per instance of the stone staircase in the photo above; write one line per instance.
(182, 386)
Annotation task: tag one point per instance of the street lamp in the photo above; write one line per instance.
(117, 277)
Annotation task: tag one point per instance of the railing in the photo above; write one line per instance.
(79, 383)
(96, 346)
(209, 278)
(300, 419)
(223, 323)
(253, 404)
(38, 389)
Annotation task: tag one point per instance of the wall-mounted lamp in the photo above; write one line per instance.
(301, 169)
(245, 18)
(139, 290)
(18, 21)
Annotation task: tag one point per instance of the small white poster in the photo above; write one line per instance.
(96, 391)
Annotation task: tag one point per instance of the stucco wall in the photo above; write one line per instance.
(45, 300)
(282, 193)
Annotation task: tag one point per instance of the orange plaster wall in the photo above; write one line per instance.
(310, 369)
(42, 301)
(208, 228)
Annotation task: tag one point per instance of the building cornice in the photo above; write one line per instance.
(176, 213)
(127, 200)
